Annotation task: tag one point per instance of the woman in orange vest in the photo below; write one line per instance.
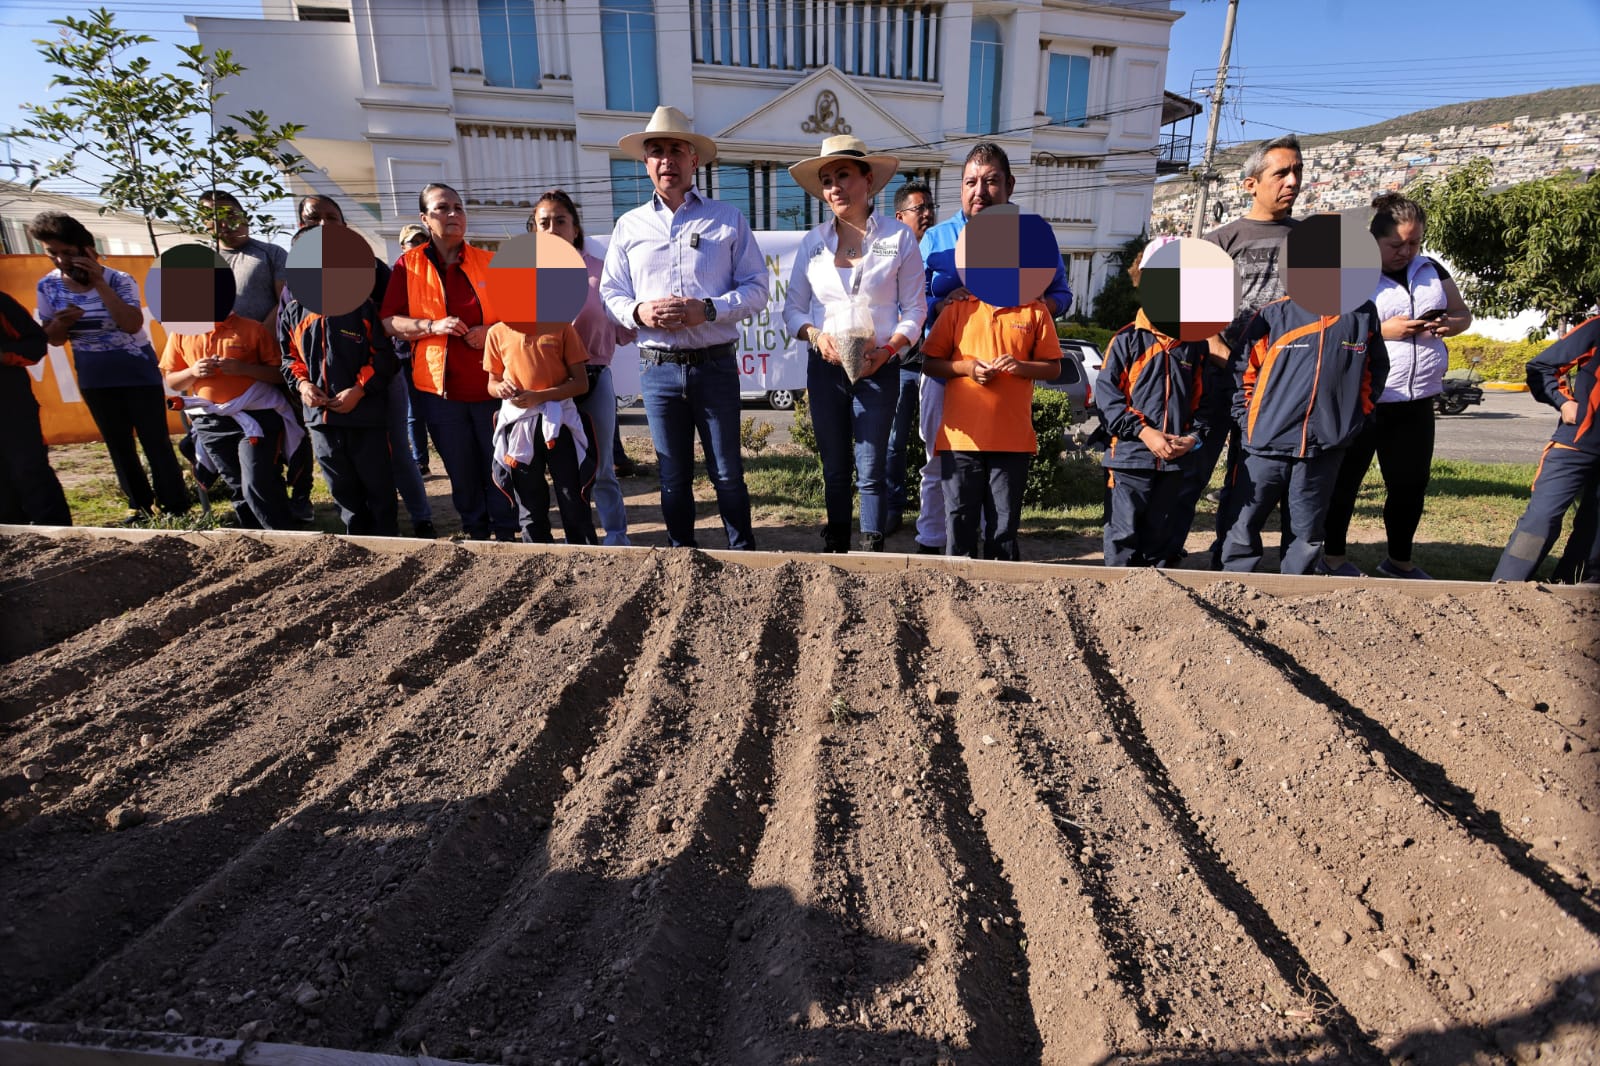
(438, 299)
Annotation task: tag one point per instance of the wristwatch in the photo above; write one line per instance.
(711, 311)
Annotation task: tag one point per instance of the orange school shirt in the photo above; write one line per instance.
(532, 360)
(243, 339)
(997, 417)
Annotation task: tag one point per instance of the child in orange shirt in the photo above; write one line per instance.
(991, 357)
(539, 428)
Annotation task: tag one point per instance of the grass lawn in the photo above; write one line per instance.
(1471, 507)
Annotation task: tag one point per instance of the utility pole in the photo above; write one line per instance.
(1206, 176)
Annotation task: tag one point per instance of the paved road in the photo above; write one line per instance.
(1509, 427)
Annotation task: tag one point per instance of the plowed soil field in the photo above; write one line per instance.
(589, 807)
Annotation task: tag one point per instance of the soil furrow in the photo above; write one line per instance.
(1382, 886)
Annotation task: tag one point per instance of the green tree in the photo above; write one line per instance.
(156, 133)
(1527, 247)
(1118, 301)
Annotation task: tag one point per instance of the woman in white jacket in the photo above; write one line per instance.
(859, 256)
(1419, 305)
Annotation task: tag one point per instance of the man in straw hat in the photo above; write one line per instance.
(685, 270)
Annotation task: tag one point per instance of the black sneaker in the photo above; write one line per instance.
(300, 510)
(929, 549)
(424, 531)
(893, 525)
(624, 466)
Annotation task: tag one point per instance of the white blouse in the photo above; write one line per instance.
(889, 275)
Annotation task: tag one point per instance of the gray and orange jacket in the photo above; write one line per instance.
(1150, 379)
(1565, 372)
(1306, 383)
(335, 354)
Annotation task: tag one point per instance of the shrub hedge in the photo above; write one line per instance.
(1500, 360)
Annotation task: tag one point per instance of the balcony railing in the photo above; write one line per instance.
(873, 38)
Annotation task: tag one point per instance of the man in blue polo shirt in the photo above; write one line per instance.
(986, 180)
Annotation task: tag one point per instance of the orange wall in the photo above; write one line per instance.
(62, 412)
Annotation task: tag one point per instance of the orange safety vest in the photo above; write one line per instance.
(425, 299)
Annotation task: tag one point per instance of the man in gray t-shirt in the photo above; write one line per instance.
(258, 267)
(1255, 243)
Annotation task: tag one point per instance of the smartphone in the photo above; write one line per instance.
(1435, 315)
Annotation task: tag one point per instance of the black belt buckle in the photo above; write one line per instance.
(686, 356)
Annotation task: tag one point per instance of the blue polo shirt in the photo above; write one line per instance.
(939, 259)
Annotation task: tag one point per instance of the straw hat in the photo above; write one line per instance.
(805, 173)
(668, 123)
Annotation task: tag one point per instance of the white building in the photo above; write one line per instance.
(115, 232)
(504, 99)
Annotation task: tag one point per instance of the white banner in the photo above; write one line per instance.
(768, 357)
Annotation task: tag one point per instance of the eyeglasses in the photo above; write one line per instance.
(918, 209)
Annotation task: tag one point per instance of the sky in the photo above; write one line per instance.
(1306, 66)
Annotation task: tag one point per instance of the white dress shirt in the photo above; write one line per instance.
(889, 275)
(703, 250)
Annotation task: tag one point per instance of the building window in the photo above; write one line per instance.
(983, 85)
(510, 43)
(310, 13)
(628, 36)
(789, 206)
(630, 187)
(734, 184)
(1067, 92)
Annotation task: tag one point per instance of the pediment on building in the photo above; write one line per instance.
(825, 103)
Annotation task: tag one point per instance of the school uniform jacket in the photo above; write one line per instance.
(1306, 383)
(335, 354)
(1564, 372)
(1149, 379)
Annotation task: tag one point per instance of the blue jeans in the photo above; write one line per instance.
(600, 404)
(251, 470)
(850, 418)
(463, 432)
(900, 429)
(680, 402)
(407, 476)
(1564, 475)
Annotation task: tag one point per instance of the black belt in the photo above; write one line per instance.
(687, 356)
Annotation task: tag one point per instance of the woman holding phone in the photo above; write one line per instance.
(96, 309)
(1419, 305)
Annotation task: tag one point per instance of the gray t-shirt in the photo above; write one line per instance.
(257, 268)
(1256, 248)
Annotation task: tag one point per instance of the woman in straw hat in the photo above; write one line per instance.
(856, 298)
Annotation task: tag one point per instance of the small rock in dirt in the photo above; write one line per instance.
(1095, 737)
(255, 1029)
(1460, 990)
(309, 998)
(989, 741)
(1255, 622)
(124, 817)
(147, 740)
(34, 772)
(934, 694)
(1339, 936)
(1395, 959)
(744, 929)
(577, 1012)
(569, 774)
(990, 688)
(1400, 840)
(898, 792)
(172, 1018)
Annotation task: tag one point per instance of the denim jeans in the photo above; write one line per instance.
(1303, 488)
(852, 419)
(900, 430)
(681, 402)
(600, 404)
(407, 475)
(463, 431)
(930, 519)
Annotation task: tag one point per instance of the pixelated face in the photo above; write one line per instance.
(918, 213)
(671, 164)
(984, 184)
(444, 215)
(1400, 246)
(1274, 192)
